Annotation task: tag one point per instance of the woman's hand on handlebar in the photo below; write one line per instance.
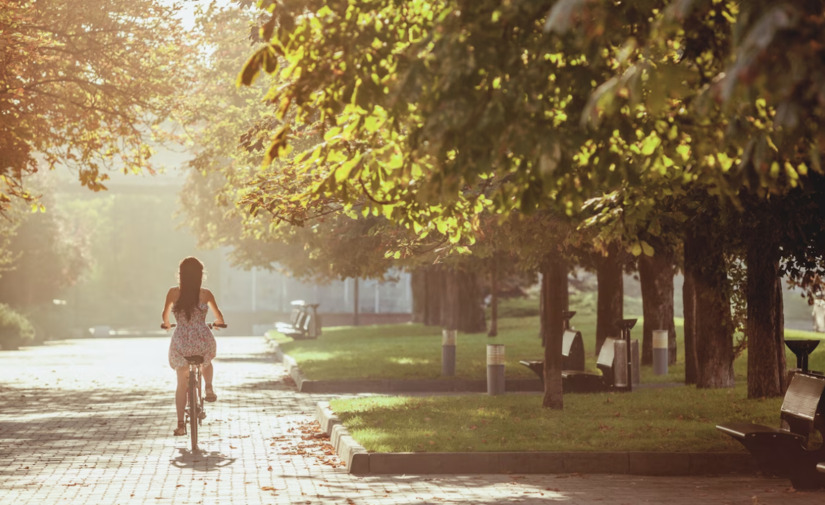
(166, 326)
(217, 324)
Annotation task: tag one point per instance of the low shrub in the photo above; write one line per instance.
(15, 329)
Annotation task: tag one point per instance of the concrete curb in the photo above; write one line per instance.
(305, 385)
(356, 457)
(291, 365)
(361, 462)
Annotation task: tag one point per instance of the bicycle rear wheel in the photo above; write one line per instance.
(193, 409)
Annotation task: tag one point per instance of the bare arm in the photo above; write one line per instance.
(210, 300)
(171, 296)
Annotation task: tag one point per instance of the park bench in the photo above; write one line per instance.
(572, 351)
(577, 380)
(793, 450)
(304, 321)
(295, 318)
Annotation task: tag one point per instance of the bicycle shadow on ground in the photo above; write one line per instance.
(204, 461)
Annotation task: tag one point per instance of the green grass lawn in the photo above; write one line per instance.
(413, 351)
(676, 419)
(661, 419)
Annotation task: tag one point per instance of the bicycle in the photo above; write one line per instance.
(194, 414)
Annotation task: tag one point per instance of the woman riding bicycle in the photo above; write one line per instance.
(190, 303)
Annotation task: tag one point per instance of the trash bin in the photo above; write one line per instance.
(620, 363)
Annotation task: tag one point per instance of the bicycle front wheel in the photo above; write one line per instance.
(193, 409)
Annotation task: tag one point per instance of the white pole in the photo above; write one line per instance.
(377, 298)
(283, 294)
(346, 292)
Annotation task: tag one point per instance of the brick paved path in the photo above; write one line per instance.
(89, 421)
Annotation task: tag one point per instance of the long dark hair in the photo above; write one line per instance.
(190, 277)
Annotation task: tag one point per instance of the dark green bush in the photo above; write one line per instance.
(15, 329)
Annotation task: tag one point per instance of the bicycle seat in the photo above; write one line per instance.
(194, 360)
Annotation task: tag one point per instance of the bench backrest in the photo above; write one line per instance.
(606, 354)
(302, 318)
(572, 350)
(296, 316)
(604, 362)
(801, 403)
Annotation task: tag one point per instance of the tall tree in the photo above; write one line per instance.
(610, 305)
(554, 270)
(85, 87)
(656, 274)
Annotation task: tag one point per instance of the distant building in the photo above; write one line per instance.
(259, 290)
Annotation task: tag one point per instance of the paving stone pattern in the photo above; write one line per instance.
(90, 421)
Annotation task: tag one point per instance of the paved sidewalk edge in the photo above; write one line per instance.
(305, 385)
(356, 457)
(361, 462)
(290, 363)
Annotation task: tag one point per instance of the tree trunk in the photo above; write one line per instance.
(463, 307)
(434, 289)
(780, 336)
(555, 303)
(689, 302)
(471, 304)
(493, 298)
(418, 285)
(355, 297)
(450, 301)
(764, 326)
(656, 278)
(543, 286)
(713, 326)
(610, 299)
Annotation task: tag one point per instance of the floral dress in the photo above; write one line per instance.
(192, 338)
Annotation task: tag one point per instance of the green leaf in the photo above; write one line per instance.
(251, 68)
(343, 172)
(278, 146)
(650, 144)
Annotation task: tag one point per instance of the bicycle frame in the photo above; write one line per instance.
(194, 413)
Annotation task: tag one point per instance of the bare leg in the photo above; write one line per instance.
(180, 392)
(208, 371)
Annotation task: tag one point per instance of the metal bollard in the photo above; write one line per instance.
(660, 352)
(495, 369)
(448, 352)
